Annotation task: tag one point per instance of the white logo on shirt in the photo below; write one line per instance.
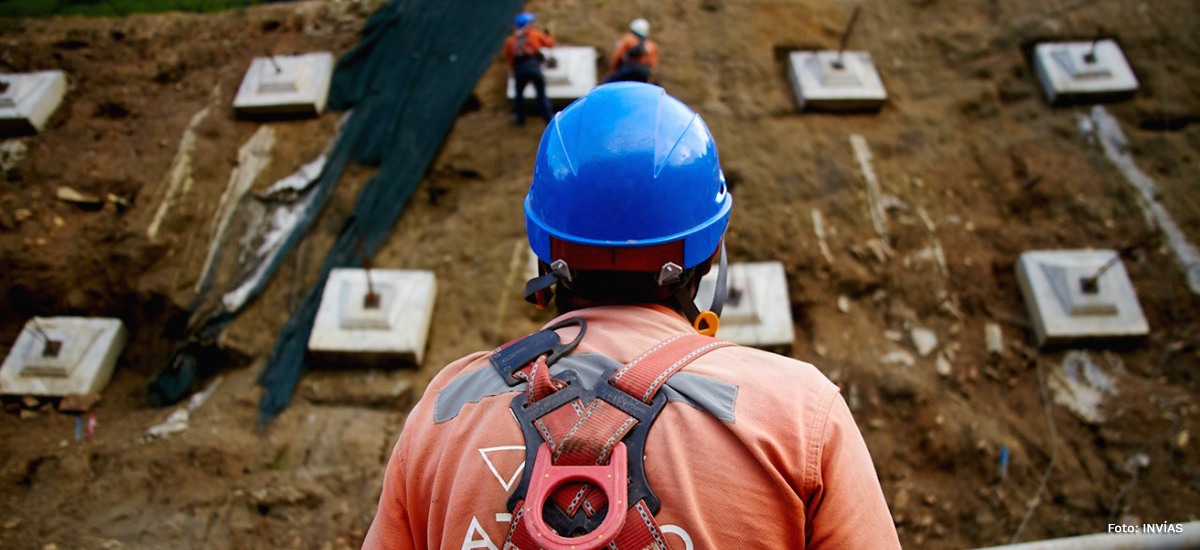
(486, 452)
(477, 537)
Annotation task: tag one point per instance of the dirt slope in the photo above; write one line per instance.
(976, 161)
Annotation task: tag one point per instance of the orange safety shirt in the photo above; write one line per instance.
(628, 41)
(777, 463)
(535, 40)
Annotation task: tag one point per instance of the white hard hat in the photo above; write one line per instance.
(640, 27)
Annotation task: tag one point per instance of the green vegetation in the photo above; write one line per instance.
(43, 8)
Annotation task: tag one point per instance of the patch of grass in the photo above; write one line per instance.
(111, 8)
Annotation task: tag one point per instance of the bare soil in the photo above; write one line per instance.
(975, 159)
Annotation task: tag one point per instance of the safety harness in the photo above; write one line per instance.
(524, 49)
(584, 483)
(635, 53)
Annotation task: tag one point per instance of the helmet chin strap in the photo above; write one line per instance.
(540, 289)
(722, 290)
(707, 322)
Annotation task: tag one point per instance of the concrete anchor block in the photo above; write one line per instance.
(1083, 71)
(58, 356)
(285, 86)
(1072, 296)
(825, 80)
(390, 330)
(28, 99)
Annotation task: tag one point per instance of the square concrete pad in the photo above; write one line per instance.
(83, 363)
(28, 99)
(570, 72)
(290, 86)
(1068, 73)
(1064, 311)
(348, 330)
(820, 83)
(761, 314)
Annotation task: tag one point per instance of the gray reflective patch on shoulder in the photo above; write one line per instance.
(713, 396)
(487, 382)
(468, 388)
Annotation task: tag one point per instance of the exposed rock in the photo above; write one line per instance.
(177, 422)
(899, 357)
(994, 338)
(942, 365)
(11, 153)
(120, 202)
(924, 340)
(82, 200)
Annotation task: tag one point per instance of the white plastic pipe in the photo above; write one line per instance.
(1186, 538)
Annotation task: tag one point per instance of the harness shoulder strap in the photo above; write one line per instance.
(524, 47)
(635, 52)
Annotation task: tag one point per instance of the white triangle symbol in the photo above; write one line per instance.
(512, 479)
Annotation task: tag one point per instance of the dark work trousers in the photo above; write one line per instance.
(529, 71)
(634, 72)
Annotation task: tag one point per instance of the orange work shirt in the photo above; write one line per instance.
(628, 41)
(776, 461)
(535, 40)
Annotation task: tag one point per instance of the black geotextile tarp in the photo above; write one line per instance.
(408, 78)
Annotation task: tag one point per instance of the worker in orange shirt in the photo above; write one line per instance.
(624, 424)
(635, 56)
(524, 51)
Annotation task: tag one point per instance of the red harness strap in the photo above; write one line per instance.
(586, 435)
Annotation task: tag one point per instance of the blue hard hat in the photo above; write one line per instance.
(624, 168)
(524, 18)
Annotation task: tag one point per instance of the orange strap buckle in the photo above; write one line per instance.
(707, 323)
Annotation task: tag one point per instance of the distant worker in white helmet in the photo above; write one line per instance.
(636, 56)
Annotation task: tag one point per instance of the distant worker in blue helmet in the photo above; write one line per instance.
(524, 51)
(636, 56)
(625, 423)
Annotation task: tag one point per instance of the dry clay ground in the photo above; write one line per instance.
(956, 149)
